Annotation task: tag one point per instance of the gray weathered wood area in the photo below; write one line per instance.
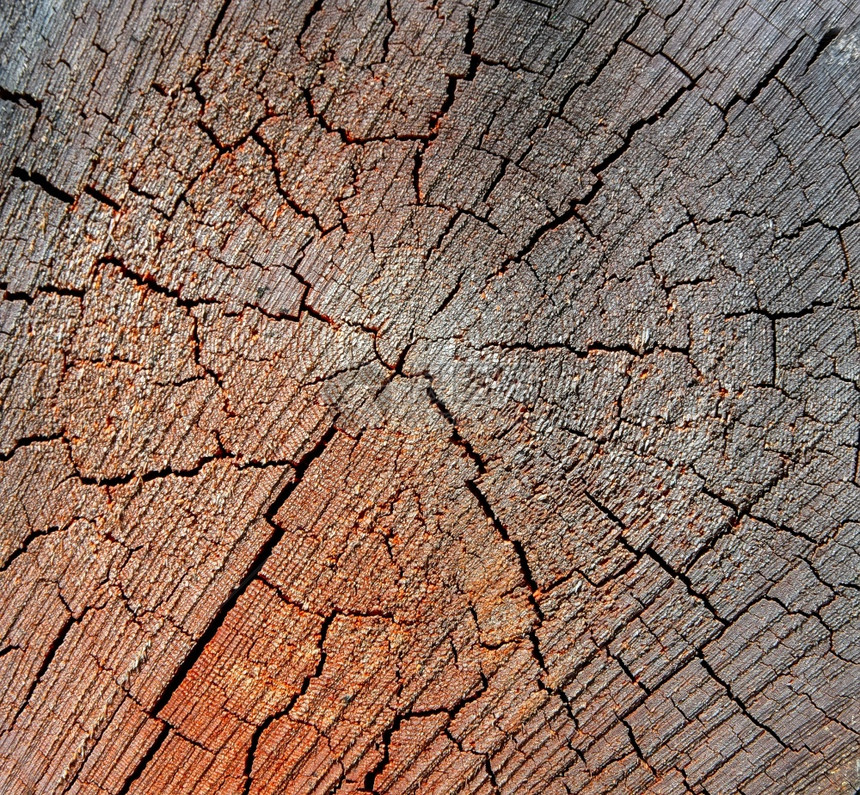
(411, 396)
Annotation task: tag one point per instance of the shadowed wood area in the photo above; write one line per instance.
(411, 396)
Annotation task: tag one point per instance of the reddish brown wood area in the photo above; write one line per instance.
(429, 396)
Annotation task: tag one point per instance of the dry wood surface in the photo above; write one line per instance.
(438, 397)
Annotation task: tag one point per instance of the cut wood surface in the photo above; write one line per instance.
(429, 397)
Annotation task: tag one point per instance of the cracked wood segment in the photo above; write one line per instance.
(429, 397)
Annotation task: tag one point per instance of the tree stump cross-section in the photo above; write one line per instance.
(429, 396)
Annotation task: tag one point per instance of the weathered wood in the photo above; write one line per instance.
(405, 396)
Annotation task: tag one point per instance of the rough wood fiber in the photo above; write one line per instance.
(410, 397)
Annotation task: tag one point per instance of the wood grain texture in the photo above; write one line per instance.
(429, 397)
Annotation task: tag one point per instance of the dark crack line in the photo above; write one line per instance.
(643, 12)
(734, 699)
(638, 751)
(765, 80)
(525, 570)
(21, 98)
(683, 578)
(573, 210)
(135, 774)
(41, 181)
(51, 653)
(43, 289)
(103, 198)
(149, 281)
(279, 186)
(260, 730)
(213, 31)
(29, 440)
(619, 661)
(456, 438)
(25, 544)
(658, 559)
(315, 8)
(826, 40)
(489, 513)
(371, 776)
(301, 468)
